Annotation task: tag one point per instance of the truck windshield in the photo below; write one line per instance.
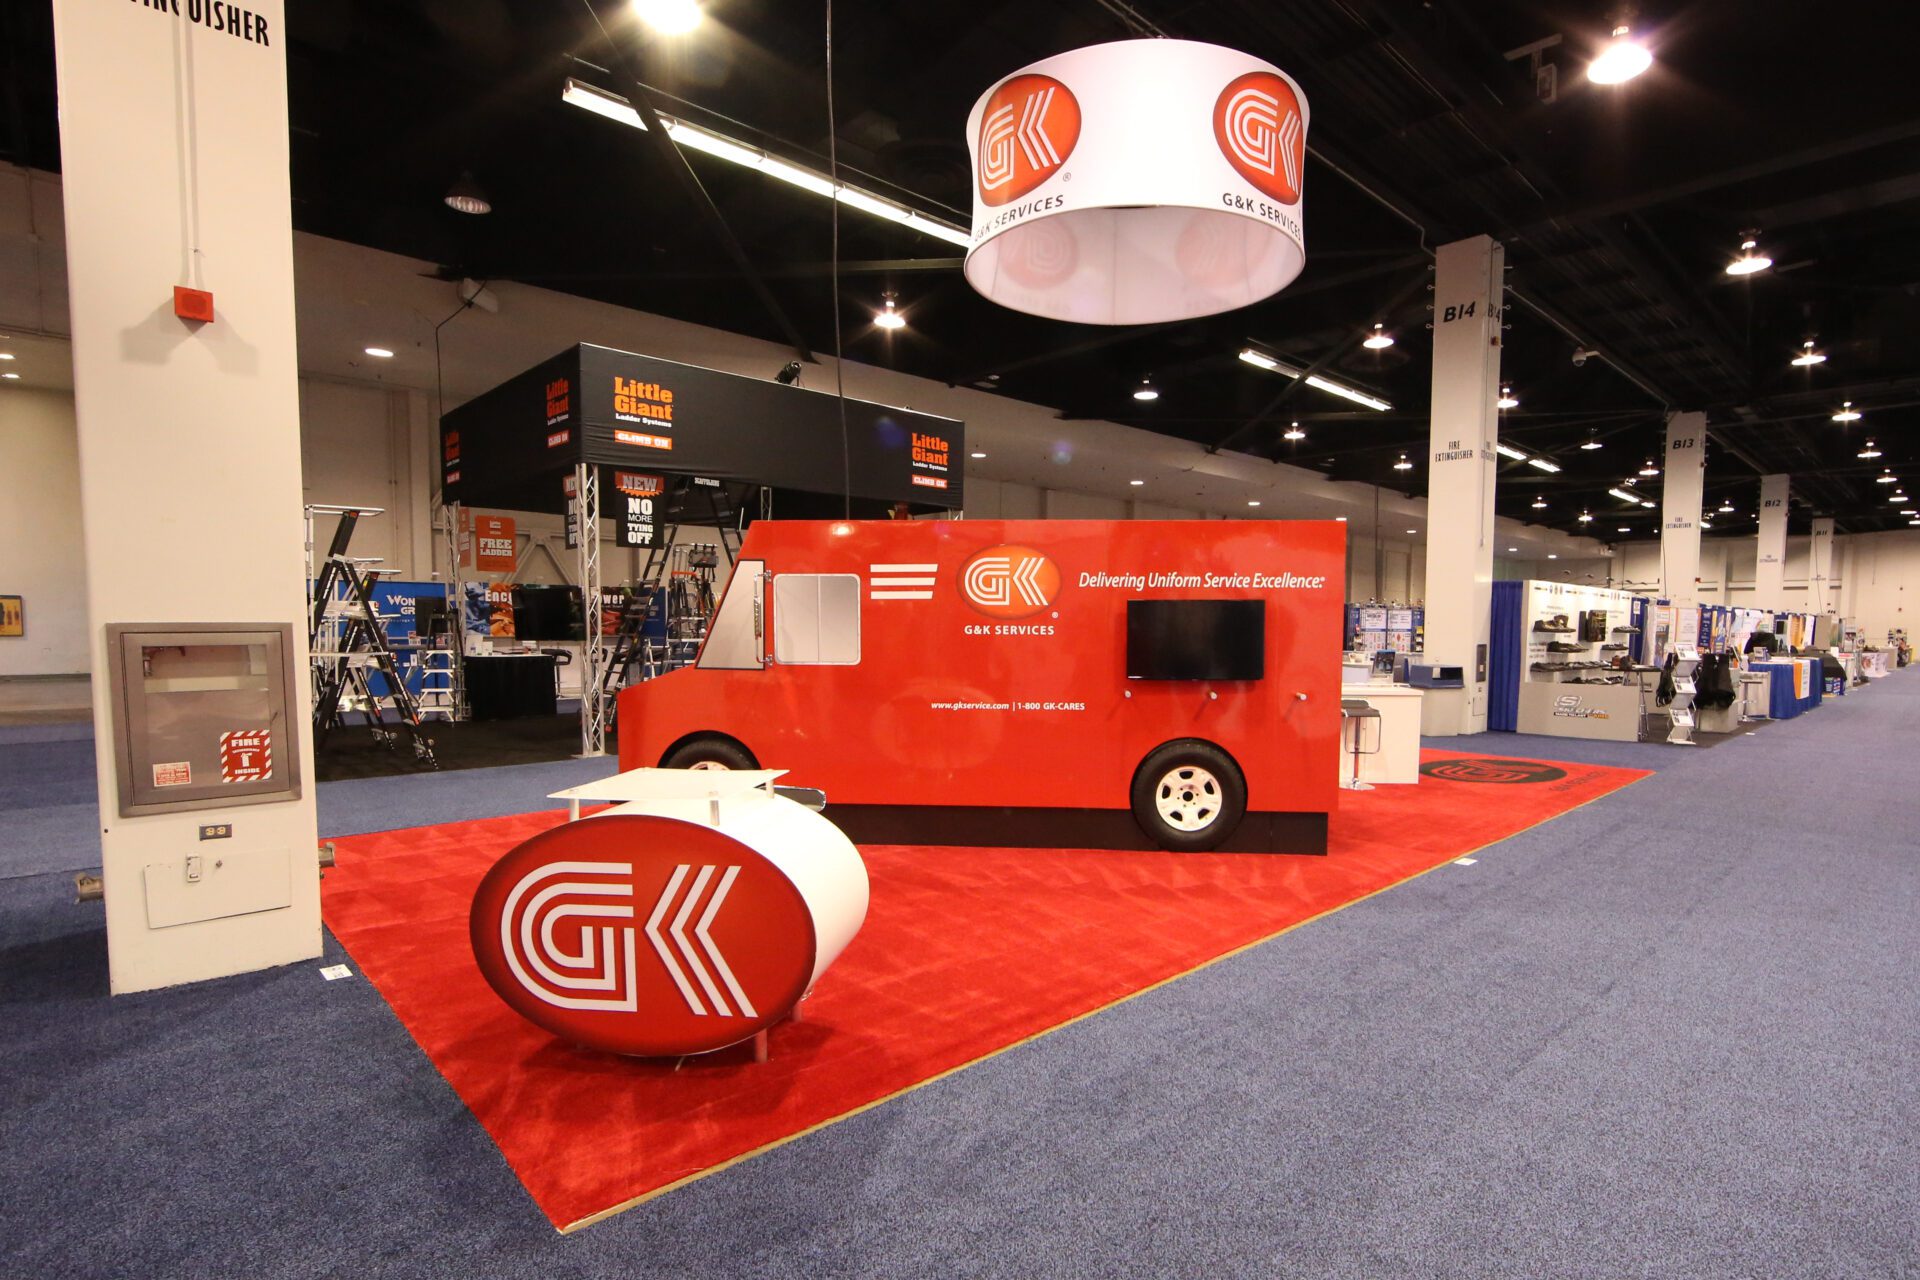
(734, 638)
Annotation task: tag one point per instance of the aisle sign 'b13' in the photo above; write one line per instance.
(1138, 182)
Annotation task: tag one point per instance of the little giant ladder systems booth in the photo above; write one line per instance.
(564, 436)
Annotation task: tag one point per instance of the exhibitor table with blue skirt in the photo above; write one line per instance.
(1796, 685)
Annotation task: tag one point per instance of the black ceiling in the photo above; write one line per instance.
(1618, 208)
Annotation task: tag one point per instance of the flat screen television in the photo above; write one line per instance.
(546, 612)
(1196, 639)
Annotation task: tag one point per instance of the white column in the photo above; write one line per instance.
(1820, 568)
(1770, 560)
(1684, 478)
(1469, 291)
(173, 141)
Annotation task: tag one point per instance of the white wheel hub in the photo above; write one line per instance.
(1188, 798)
(708, 764)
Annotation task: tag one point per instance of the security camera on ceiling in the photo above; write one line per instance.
(1581, 355)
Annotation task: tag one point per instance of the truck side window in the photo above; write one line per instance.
(816, 619)
(733, 637)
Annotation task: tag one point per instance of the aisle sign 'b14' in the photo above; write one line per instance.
(1138, 182)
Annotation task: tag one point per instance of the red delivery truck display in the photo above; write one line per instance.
(1075, 683)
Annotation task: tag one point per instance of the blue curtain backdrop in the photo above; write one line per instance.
(1506, 656)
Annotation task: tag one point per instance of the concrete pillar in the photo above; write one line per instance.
(1684, 478)
(1469, 293)
(1770, 559)
(1820, 577)
(173, 142)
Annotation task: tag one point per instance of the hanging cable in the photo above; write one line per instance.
(833, 273)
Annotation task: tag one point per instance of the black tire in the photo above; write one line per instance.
(1200, 815)
(710, 751)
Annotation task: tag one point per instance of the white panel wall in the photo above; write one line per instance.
(41, 556)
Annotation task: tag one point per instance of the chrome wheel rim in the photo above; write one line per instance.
(1188, 798)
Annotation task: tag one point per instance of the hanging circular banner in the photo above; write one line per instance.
(1138, 182)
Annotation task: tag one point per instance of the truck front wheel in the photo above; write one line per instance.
(1189, 796)
(710, 751)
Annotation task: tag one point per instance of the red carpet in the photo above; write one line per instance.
(965, 952)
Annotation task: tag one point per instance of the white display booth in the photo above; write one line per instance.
(1572, 684)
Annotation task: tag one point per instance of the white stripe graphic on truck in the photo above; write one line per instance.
(901, 581)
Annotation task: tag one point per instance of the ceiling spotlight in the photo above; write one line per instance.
(380, 353)
(1885, 477)
(1379, 340)
(1146, 390)
(889, 317)
(1868, 452)
(1808, 357)
(1910, 512)
(1506, 400)
(1648, 469)
(1403, 464)
(668, 17)
(11, 377)
(1705, 523)
(1622, 59)
(1726, 508)
(1592, 441)
(976, 455)
(1253, 502)
(1553, 555)
(1539, 504)
(1512, 550)
(1136, 483)
(1293, 433)
(1623, 529)
(1413, 531)
(1847, 412)
(6, 355)
(1749, 261)
(1543, 464)
(1586, 517)
(465, 196)
(1506, 450)
(1341, 519)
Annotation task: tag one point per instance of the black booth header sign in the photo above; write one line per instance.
(504, 449)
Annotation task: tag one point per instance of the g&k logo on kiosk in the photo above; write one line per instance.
(1258, 125)
(1010, 582)
(1027, 131)
(642, 935)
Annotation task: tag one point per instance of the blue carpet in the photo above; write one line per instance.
(1672, 1033)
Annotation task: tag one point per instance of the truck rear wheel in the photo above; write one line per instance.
(710, 751)
(1189, 796)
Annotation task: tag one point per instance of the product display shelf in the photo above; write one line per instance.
(1572, 684)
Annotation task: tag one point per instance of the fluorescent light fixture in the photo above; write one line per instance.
(1553, 555)
(695, 137)
(1623, 495)
(1512, 550)
(668, 17)
(380, 353)
(1413, 531)
(1749, 261)
(1847, 412)
(1645, 502)
(1622, 59)
(12, 377)
(1705, 523)
(1378, 340)
(1253, 502)
(1808, 357)
(1261, 360)
(1543, 464)
(1136, 483)
(6, 355)
(1623, 529)
(1508, 451)
(976, 455)
(1341, 519)
(1506, 400)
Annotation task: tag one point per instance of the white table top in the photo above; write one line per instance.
(1365, 691)
(671, 784)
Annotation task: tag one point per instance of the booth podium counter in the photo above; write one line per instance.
(1398, 759)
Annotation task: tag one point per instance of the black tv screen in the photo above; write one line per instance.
(1196, 639)
(546, 612)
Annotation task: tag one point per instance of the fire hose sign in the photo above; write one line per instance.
(642, 935)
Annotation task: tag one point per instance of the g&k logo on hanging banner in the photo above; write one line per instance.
(1010, 582)
(1027, 131)
(1258, 125)
(642, 935)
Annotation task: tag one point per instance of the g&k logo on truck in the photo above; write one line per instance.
(1009, 582)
